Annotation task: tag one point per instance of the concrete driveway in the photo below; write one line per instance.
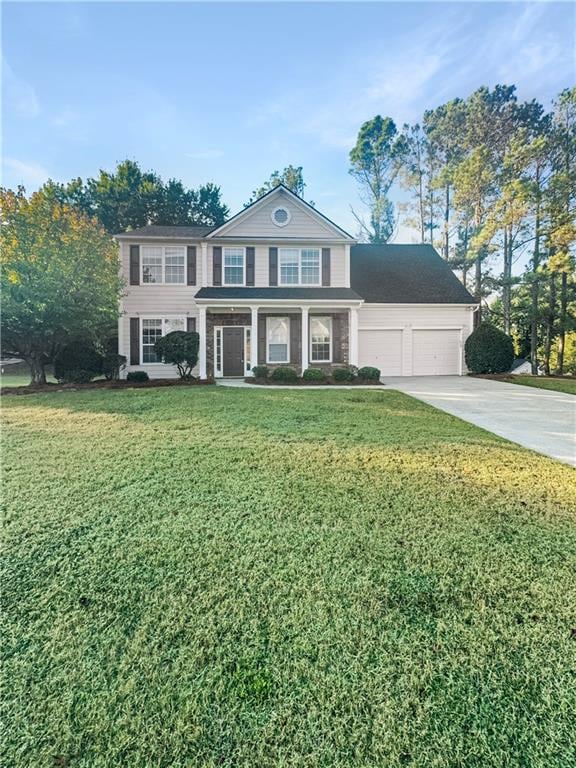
(539, 419)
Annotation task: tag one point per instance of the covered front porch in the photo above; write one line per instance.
(235, 338)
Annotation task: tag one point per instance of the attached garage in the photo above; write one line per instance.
(381, 348)
(436, 352)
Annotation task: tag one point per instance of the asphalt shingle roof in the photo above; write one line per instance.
(159, 230)
(404, 274)
(240, 292)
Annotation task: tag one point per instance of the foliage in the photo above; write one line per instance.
(344, 374)
(206, 567)
(260, 371)
(291, 177)
(369, 373)
(78, 362)
(284, 373)
(179, 348)
(488, 350)
(112, 364)
(375, 161)
(556, 384)
(59, 279)
(129, 198)
(137, 376)
(314, 374)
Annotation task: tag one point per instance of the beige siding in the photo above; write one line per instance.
(407, 319)
(303, 223)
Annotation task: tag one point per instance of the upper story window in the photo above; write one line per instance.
(299, 266)
(164, 264)
(234, 266)
(281, 216)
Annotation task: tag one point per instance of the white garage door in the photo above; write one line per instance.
(436, 353)
(381, 349)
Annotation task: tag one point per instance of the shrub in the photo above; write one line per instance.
(137, 376)
(343, 374)
(283, 373)
(179, 348)
(260, 371)
(369, 373)
(112, 364)
(488, 350)
(314, 374)
(78, 363)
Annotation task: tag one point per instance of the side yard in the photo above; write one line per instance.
(229, 577)
(555, 383)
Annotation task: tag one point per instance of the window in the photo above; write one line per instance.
(277, 339)
(233, 266)
(281, 216)
(299, 266)
(164, 264)
(153, 329)
(320, 339)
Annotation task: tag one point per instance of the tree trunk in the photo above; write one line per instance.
(562, 321)
(478, 281)
(535, 288)
(446, 221)
(506, 275)
(37, 372)
(422, 209)
(551, 316)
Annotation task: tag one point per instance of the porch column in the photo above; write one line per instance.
(254, 339)
(203, 340)
(353, 340)
(304, 344)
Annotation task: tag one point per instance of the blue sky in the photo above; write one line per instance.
(230, 92)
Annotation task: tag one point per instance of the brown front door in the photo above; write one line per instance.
(233, 351)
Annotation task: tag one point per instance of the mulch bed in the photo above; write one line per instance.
(302, 383)
(37, 389)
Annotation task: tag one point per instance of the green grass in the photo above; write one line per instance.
(216, 577)
(546, 382)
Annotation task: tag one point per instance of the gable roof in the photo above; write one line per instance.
(404, 274)
(281, 188)
(164, 231)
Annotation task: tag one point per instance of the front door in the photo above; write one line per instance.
(233, 352)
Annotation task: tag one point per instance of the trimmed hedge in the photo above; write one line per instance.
(137, 376)
(488, 350)
(260, 371)
(314, 374)
(78, 363)
(179, 348)
(369, 373)
(283, 373)
(343, 374)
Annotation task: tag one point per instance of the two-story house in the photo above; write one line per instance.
(281, 284)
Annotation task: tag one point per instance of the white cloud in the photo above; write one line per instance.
(29, 174)
(20, 96)
(207, 154)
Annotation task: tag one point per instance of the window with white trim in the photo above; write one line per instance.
(164, 264)
(299, 266)
(233, 259)
(153, 329)
(320, 339)
(277, 340)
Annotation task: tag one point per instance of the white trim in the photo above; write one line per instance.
(163, 266)
(288, 214)
(278, 362)
(381, 328)
(254, 337)
(219, 330)
(238, 248)
(353, 340)
(300, 284)
(331, 342)
(204, 276)
(437, 327)
(203, 339)
(305, 335)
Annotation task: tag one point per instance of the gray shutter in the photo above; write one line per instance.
(134, 341)
(134, 265)
(261, 340)
(250, 258)
(273, 266)
(191, 265)
(190, 324)
(325, 266)
(337, 339)
(217, 265)
(295, 341)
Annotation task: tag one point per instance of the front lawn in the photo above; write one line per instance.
(546, 382)
(213, 577)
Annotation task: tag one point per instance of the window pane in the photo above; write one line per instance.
(151, 332)
(278, 330)
(310, 266)
(151, 264)
(233, 266)
(289, 266)
(320, 337)
(174, 266)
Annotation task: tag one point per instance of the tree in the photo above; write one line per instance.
(60, 279)
(375, 162)
(129, 198)
(179, 348)
(291, 177)
(488, 350)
